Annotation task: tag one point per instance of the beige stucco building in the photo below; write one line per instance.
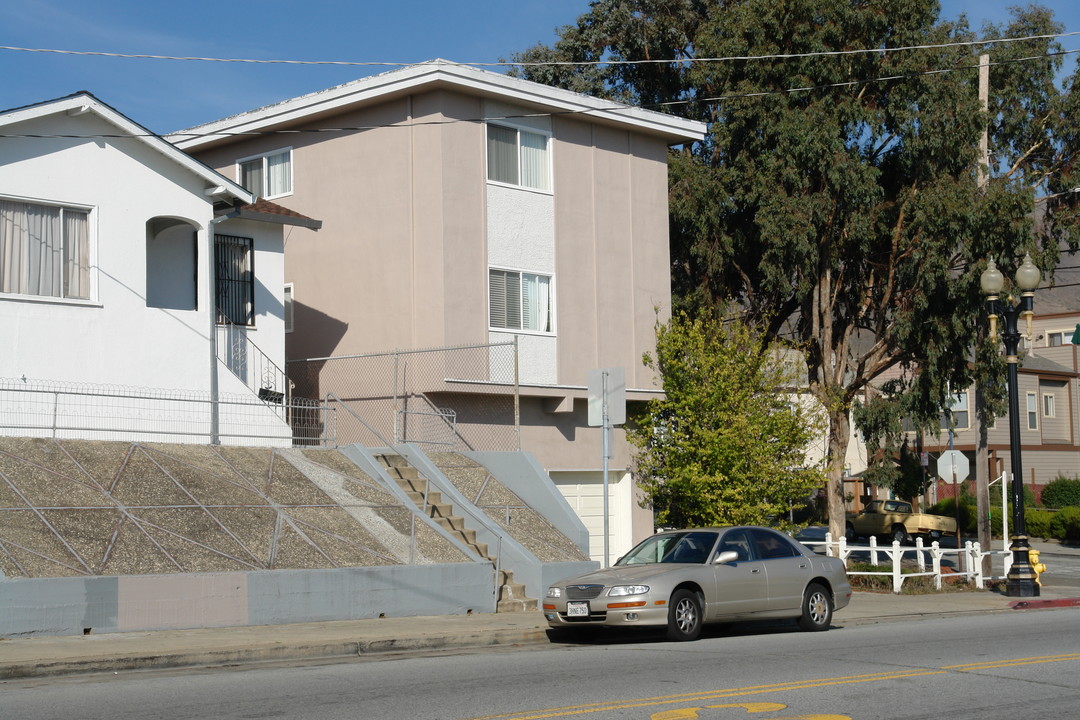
(1048, 394)
(1048, 391)
(463, 207)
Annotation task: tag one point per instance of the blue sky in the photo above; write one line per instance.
(167, 95)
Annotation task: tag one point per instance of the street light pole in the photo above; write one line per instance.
(1021, 580)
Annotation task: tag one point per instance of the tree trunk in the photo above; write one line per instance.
(839, 432)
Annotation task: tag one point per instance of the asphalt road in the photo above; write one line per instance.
(986, 667)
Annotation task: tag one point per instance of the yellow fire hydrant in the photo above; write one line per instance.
(1038, 567)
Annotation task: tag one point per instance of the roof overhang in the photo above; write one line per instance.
(266, 211)
(432, 75)
(218, 187)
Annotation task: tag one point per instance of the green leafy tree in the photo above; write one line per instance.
(837, 198)
(728, 443)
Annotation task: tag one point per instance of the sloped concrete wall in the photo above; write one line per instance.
(116, 536)
(74, 606)
(522, 474)
(527, 540)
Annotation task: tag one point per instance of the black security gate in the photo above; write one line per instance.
(235, 279)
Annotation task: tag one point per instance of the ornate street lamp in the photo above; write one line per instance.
(1021, 578)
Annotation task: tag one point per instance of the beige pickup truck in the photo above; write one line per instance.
(893, 519)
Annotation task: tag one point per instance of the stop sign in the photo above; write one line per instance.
(953, 466)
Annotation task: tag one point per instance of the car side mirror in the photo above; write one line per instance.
(726, 557)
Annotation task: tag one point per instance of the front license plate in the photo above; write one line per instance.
(577, 609)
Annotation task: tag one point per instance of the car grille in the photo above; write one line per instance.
(583, 592)
(593, 617)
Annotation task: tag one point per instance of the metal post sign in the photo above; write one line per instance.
(953, 466)
(607, 391)
(607, 407)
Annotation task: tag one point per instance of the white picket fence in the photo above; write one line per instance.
(969, 559)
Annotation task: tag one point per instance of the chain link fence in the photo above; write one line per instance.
(453, 398)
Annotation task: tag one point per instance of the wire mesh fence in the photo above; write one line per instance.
(51, 409)
(453, 398)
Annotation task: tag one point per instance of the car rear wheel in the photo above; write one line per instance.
(849, 533)
(900, 535)
(817, 608)
(684, 616)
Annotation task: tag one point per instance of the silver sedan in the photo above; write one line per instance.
(683, 579)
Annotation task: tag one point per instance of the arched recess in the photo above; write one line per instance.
(172, 263)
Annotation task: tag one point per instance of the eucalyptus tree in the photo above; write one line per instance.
(837, 199)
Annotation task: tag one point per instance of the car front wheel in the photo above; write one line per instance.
(817, 608)
(684, 616)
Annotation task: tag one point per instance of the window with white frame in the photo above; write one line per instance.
(1048, 406)
(518, 157)
(1055, 339)
(269, 175)
(958, 408)
(288, 307)
(1032, 411)
(519, 301)
(44, 250)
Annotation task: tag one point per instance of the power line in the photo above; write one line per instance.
(672, 103)
(851, 83)
(549, 63)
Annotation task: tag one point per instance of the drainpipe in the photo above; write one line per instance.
(215, 410)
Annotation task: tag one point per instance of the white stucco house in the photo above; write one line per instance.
(107, 277)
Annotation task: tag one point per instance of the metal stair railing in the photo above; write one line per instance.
(437, 426)
(250, 364)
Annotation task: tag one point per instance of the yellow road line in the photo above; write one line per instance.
(585, 709)
(1014, 662)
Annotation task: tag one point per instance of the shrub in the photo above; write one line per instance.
(968, 512)
(921, 585)
(1065, 524)
(1029, 497)
(1038, 523)
(1061, 492)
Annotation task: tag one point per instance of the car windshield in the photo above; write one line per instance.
(684, 547)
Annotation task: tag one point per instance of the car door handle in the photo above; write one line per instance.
(756, 570)
(802, 565)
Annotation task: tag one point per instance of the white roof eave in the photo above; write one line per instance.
(503, 87)
(83, 103)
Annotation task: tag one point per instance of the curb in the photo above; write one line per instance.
(1041, 604)
(268, 653)
(277, 651)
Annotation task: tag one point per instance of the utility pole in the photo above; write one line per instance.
(982, 452)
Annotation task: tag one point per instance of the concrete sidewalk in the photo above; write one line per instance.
(115, 652)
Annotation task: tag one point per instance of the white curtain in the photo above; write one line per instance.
(251, 176)
(543, 304)
(536, 303)
(34, 257)
(76, 254)
(46, 239)
(279, 172)
(13, 233)
(534, 160)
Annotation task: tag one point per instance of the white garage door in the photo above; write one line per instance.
(584, 491)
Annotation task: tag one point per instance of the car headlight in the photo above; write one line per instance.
(554, 592)
(620, 590)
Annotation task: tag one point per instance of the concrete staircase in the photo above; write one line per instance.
(511, 596)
